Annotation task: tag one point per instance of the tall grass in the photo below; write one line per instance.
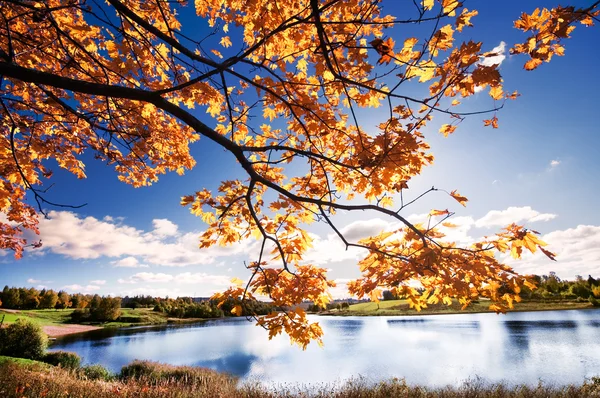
(152, 380)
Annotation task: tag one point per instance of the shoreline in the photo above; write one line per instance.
(402, 313)
(61, 329)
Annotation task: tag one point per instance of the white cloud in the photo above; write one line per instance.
(181, 278)
(497, 218)
(554, 163)
(76, 237)
(164, 227)
(129, 262)
(577, 250)
(499, 56)
(98, 282)
(31, 280)
(75, 288)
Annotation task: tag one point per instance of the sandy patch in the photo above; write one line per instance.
(56, 331)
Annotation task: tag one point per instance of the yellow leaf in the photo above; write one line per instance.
(237, 281)
(496, 92)
(225, 41)
(447, 129)
(237, 310)
(438, 212)
(427, 4)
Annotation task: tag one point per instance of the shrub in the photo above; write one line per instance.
(64, 359)
(96, 372)
(594, 301)
(23, 339)
(80, 315)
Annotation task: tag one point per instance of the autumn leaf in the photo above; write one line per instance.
(447, 129)
(237, 282)
(225, 42)
(237, 310)
(427, 4)
(459, 198)
(548, 253)
(439, 212)
(532, 64)
(491, 122)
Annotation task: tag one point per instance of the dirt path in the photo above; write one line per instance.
(57, 331)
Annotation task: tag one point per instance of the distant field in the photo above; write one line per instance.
(129, 317)
(42, 317)
(400, 307)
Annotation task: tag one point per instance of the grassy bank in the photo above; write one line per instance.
(150, 380)
(401, 307)
(129, 317)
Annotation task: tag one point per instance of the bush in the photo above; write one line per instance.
(594, 301)
(96, 372)
(23, 339)
(80, 315)
(64, 359)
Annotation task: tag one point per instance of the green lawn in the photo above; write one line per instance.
(22, 361)
(42, 317)
(129, 316)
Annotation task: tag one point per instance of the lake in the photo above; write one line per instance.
(557, 347)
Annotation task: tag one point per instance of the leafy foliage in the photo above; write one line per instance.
(64, 359)
(283, 88)
(23, 339)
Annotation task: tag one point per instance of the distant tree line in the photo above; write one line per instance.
(22, 298)
(551, 287)
(94, 308)
(186, 307)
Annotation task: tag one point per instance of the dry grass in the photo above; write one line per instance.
(152, 380)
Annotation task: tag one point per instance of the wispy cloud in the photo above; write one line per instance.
(129, 262)
(75, 288)
(498, 218)
(76, 237)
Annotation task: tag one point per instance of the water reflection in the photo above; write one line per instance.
(558, 347)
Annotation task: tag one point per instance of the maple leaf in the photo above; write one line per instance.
(447, 129)
(532, 64)
(459, 198)
(225, 42)
(491, 122)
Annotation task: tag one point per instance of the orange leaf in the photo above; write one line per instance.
(459, 198)
(532, 64)
(237, 310)
(438, 212)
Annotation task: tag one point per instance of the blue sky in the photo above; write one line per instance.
(541, 167)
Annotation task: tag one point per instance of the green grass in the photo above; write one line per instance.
(129, 317)
(22, 361)
(401, 307)
(41, 317)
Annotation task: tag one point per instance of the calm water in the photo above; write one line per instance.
(557, 347)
